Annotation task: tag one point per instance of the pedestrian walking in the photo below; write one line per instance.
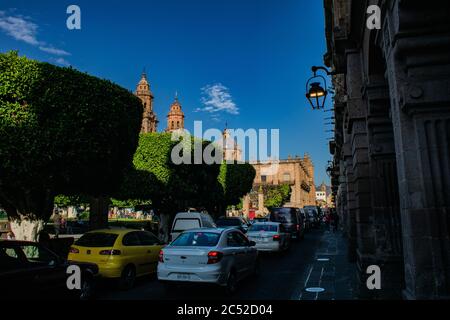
(335, 221)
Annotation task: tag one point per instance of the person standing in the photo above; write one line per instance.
(57, 223)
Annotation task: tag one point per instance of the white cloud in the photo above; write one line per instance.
(23, 29)
(55, 51)
(61, 61)
(19, 28)
(216, 98)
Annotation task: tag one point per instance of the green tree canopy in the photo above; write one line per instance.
(175, 187)
(277, 196)
(62, 132)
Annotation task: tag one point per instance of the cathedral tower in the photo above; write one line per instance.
(175, 118)
(149, 120)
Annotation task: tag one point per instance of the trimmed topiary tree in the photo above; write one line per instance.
(176, 187)
(236, 180)
(62, 132)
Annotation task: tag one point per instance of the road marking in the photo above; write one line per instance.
(305, 284)
(320, 282)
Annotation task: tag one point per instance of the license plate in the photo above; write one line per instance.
(183, 277)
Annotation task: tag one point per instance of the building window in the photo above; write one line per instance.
(286, 177)
(263, 179)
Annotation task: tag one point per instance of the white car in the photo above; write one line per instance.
(190, 220)
(269, 236)
(214, 256)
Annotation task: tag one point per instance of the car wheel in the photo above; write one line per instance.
(287, 245)
(127, 278)
(169, 287)
(231, 283)
(257, 268)
(87, 288)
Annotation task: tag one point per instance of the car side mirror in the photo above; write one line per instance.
(252, 244)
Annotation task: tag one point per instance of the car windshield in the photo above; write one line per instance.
(197, 239)
(282, 215)
(264, 227)
(97, 239)
(182, 224)
(228, 222)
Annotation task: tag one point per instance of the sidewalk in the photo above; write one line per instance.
(330, 272)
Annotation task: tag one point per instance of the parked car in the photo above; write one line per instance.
(29, 270)
(210, 256)
(121, 254)
(269, 236)
(232, 222)
(291, 220)
(260, 219)
(190, 220)
(313, 216)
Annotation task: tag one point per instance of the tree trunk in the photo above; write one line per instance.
(164, 227)
(98, 213)
(26, 230)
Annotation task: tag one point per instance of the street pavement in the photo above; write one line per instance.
(283, 276)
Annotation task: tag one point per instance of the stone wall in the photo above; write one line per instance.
(392, 156)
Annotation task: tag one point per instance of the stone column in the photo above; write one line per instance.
(357, 130)
(384, 187)
(418, 66)
(246, 205)
(351, 202)
(261, 201)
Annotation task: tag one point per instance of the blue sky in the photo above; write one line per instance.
(256, 54)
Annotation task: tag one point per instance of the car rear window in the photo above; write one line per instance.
(197, 239)
(283, 215)
(262, 227)
(228, 222)
(97, 239)
(186, 224)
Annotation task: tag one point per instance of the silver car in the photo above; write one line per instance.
(214, 256)
(269, 236)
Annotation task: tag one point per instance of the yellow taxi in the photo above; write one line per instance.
(122, 254)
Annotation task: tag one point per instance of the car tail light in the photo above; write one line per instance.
(214, 257)
(74, 250)
(276, 237)
(298, 227)
(161, 256)
(110, 252)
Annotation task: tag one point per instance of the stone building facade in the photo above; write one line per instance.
(149, 119)
(391, 170)
(297, 172)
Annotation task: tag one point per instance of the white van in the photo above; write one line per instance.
(190, 220)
